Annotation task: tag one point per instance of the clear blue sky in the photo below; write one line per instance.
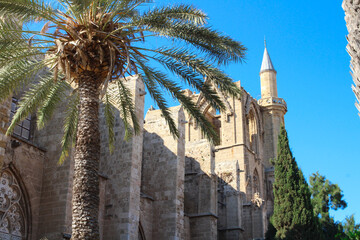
(306, 42)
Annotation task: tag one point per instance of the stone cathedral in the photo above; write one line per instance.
(153, 187)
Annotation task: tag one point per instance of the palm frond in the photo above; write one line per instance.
(110, 122)
(216, 47)
(27, 10)
(179, 14)
(70, 126)
(16, 75)
(150, 81)
(8, 56)
(14, 48)
(216, 76)
(55, 95)
(126, 5)
(31, 100)
(157, 77)
(191, 77)
(123, 99)
(69, 9)
(80, 8)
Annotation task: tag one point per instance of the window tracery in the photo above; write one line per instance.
(12, 215)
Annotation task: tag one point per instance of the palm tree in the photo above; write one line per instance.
(352, 19)
(84, 45)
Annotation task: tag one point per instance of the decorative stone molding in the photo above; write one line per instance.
(257, 201)
(272, 101)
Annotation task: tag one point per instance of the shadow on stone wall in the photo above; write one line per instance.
(162, 180)
(213, 206)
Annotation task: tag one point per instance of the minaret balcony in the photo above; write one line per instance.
(272, 101)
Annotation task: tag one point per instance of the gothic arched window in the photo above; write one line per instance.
(256, 182)
(12, 211)
(253, 131)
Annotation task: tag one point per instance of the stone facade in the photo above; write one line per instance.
(154, 186)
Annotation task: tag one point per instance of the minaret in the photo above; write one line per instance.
(268, 77)
(273, 107)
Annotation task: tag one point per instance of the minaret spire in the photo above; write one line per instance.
(267, 76)
(266, 62)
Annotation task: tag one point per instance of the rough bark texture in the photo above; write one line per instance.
(352, 18)
(87, 154)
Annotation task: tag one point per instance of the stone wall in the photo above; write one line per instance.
(146, 216)
(55, 211)
(163, 174)
(201, 190)
(239, 166)
(123, 171)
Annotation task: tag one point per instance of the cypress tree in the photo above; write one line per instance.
(293, 216)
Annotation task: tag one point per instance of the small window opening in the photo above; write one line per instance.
(23, 128)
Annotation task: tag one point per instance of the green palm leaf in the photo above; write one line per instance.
(70, 126)
(110, 121)
(31, 100)
(124, 101)
(55, 96)
(27, 10)
(16, 75)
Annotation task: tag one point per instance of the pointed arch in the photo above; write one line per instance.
(14, 209)
(211, 115)
(256, 182)
(254, 126)
(252, 129)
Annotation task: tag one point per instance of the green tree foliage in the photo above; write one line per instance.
(352, 235)
(326, 196)
(293, 216)
(86, 44)
(351, 229)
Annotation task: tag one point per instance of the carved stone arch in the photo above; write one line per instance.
(211, 115)
(15, 221)
(254, 126)
(256, 182)
(204, 106)
(258, 117)
(256, 200)
(252, 131)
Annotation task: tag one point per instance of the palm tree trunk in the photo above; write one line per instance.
(87, 154)
(352, 18)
